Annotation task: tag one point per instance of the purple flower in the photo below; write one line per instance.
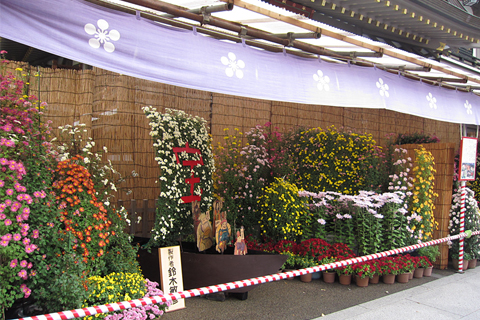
(26, 241)
(30, 248)
(23, 274)
(17, 237)
(15, 207)
(25, 216)
(8, 222)
(7, 237)
(23, 263)
(13, 263)
(9, 192)
(2, 216)
(2, 183)
(28, 292)
(35, 234)
(3, 243)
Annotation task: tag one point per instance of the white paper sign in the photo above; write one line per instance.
(171, 274)
(468, 159)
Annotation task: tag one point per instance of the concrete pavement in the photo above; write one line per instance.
(456, 296)
(444, 295)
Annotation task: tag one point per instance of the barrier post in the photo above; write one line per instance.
(462, 225)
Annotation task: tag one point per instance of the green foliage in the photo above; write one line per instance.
(120, 255)
(66, 289)
(431, 252)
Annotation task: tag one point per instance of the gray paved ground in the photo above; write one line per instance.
(293, 299)
(450, 298)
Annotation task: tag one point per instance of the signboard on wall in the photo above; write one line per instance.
(171, 275)
(468, 159)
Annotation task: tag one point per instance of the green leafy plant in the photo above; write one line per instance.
(305, 262)
(424, 262)
(345, 271)
(327, 260)
(291, 261)
(431, 252)
(364, 269)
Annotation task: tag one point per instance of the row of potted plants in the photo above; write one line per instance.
(400, 267)
(314, 252)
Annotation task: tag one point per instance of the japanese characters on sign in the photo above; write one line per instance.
(171, 274)
(190, 163)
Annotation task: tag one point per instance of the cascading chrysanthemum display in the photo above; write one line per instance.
(183, 150)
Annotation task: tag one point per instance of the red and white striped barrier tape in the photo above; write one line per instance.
(90, 311)
(463, 197)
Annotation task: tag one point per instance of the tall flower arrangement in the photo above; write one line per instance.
(183, 150)
(242, 172)
(472, 222)
(370, 221)
(85, 219)
(284, 215)
(333, 160)
(421, 221)
(25, 176)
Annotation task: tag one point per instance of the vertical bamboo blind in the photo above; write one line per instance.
(109, 104)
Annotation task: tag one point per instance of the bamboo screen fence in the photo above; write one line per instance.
(109, 104)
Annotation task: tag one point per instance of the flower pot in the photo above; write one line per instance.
(306, 277)
(403, 277)
(328, 277)
(428, 271)
(410, 275)
(418, 272)
(345, 280)
(362, 282)
(374, 279)
(455, 264)
(472, 263)
(388, 278)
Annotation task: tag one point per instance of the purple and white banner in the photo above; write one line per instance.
(134, 46)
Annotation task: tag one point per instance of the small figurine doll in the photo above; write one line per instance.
(223, 232)
(204, 232)
(240, 247)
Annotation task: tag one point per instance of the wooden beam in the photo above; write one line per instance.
(332, 34)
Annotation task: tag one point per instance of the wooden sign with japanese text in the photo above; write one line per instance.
(171, 274)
